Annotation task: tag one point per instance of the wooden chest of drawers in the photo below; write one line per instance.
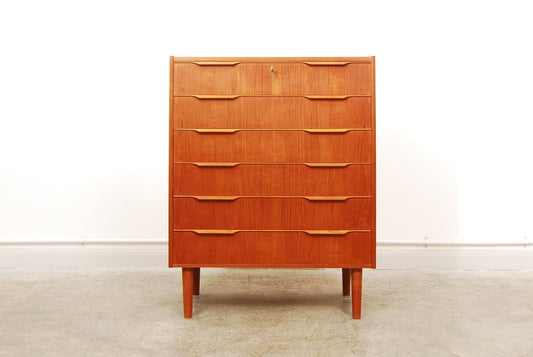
(272, 164)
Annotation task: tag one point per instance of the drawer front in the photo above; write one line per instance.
(272, 146)
(286, 79)
(272, 180)
(272, 113)
(285, 213)
(271, 249)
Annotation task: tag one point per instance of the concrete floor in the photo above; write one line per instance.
(245, 312)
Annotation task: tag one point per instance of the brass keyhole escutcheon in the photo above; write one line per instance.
(271, 69)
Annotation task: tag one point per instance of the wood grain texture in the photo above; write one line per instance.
(273, 59)
(326, 63)
(187, 281)
(310, 131)
(273, 113)
(273, 146)
(272, 163)
(311, 232)
(271, 249)
(287, 79)
(271, 180)
(328, 97)
(215, 63)
(308, 198)
(272, 213)
(357, 289)
(329, 164)
(215, 96)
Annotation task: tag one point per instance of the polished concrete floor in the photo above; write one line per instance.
(241, 312)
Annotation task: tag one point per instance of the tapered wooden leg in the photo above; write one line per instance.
(187, 277)
(345, 282)
(357, 284)
(196, 278)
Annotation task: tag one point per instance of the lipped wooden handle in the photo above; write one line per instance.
(215, 63)
(326, 232)
(326, 164)
(216, 131)
(216, 164)
(215, 96)
(326, 131)
(215, 231)
(327, 97)
(324, 63)
(327, 198)
(215, 198)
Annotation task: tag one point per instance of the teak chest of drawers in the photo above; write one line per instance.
(272, 164)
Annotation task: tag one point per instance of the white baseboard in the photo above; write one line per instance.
(88, 254)
(455, 258)
(153, 254)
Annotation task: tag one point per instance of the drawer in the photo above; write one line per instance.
(272, 146)
(271, 249)
(286, 78)
(271, 180)
(296, 112)
(286, 213)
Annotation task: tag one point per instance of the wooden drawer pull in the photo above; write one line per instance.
(215, 231)
(327, 198)
(216, 164)
(326, 233)
(215, 96)
(208, 63)
(326, 97)
(326, 164)
(327, 131)
(215, 198)
(326, 63)
(216, 131)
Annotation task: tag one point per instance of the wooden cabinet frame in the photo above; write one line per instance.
(272, 164)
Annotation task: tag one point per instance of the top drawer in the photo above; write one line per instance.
(314, 78)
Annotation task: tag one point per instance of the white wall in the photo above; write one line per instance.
(84, 108)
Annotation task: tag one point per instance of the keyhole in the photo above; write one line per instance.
(271, 69)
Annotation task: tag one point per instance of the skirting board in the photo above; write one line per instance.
(150, 254)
